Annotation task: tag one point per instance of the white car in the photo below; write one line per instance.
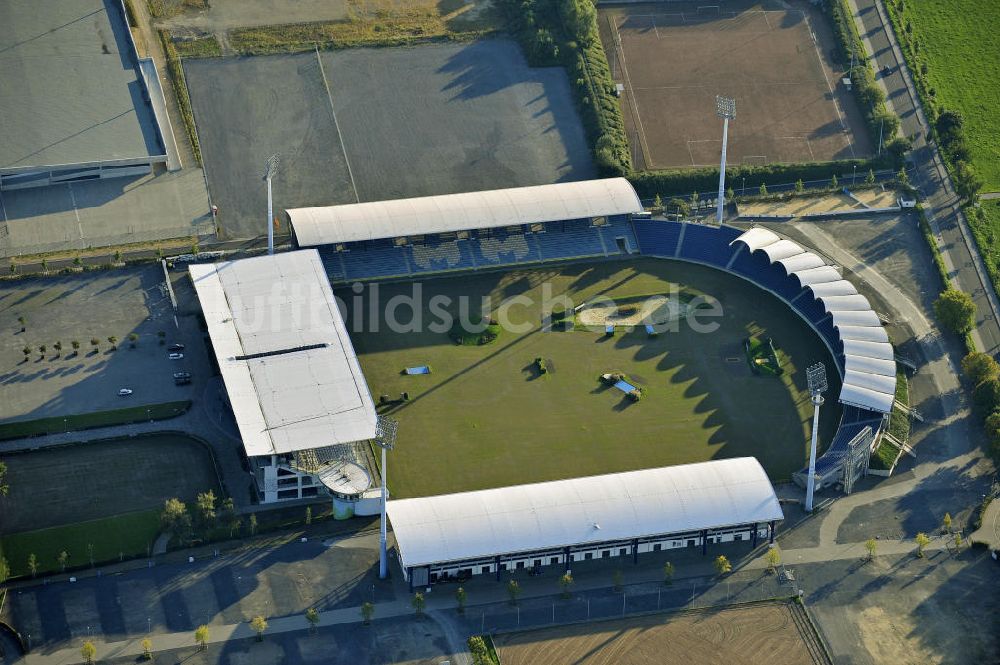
(176, 356)
(124, 392)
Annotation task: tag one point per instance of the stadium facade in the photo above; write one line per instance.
(565, 521)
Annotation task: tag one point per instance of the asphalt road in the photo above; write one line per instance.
(930, 177)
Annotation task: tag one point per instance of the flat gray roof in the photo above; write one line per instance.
(72, 92)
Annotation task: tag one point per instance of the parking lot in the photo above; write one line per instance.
(80, 308)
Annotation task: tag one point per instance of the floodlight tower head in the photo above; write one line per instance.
(271, 166)
(270, 170)
(816, 378)
(725, 107)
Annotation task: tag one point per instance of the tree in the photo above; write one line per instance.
(946, 523)
(23, 321)
(113, 341)
(4, 486)
(618, 580)
(694, 200)
(201, 637)
(730, 194)
(58, 347)
(833, 181)
(63, 560)
(979, 367)
(13, 271)
(118, 256)
(309, 515)
(132, 339)
(657, 203)
(680, 207)
(722, 565)
(513, 591)
(870, 178)
(566, 583)
(45, 265)
(175, 518)
(480, 654)
(205, 505)
(147, 648)
(27, 352)
(253, 524)
(88, 651)
(872, 546)
(96, 343)
(763, 189)
(312, 617)
(77, 261)
(32, 564)
(259, 625)
(460, 596)
(922, 541)
(4, 570)
(800, 186)
(986, 400)
(668, 573)
(367, 612)
(42, 349)
(955, 310)
(968, 184)
(419, 603)
(76, 346)
(958, 542)
(773, 558)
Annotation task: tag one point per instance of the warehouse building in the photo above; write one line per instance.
(557, 523)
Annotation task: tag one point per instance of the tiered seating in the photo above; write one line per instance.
(375, 262)
(657, 237)
(572, 242)
(435, 256)
(501, 250)
(332, 264)
(707, 244)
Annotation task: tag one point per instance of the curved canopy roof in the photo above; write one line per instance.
(460, 212)
(869, 359)
(579, 511)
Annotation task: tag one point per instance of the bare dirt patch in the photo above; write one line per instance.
(759, 634)
(773, 59)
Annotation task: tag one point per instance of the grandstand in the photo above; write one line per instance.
(456, 232)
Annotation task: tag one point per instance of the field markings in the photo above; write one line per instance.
(628, 81)
(833, 93)
(76, 211)
(333, 112)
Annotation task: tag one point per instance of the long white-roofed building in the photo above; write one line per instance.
(291, 375)
(579, 519)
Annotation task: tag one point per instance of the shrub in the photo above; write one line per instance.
(956, 310)
(979, 367)
(986, 397)
(541, 366)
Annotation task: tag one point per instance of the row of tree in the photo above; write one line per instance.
(201, 519)
(983, 372)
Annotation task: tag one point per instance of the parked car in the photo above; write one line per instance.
(176, 356)
(175, 347)
(124, 392)
(182, 375)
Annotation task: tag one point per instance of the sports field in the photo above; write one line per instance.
(76, 483)
(484, 417)
(373, 124)
(758, 634)
(674, 58)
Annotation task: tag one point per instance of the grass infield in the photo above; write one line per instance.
(486, 417)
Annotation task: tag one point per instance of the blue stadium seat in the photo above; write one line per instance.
(657, 237)
(707, 244)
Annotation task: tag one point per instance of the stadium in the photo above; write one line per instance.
(575, 475)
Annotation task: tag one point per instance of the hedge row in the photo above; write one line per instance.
(947, 125)
(649, 184)
(565, 32)
(880, 120)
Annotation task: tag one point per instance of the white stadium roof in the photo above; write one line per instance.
(580, 511)
(290, 370)
(869, 359)
(459, 212)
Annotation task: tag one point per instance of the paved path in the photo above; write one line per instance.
(942, 204)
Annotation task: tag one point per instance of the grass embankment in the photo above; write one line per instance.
(83, 421)
(202, 47)
(398, 25)
(177, 80)
(112, 538)
(985, 223)
(899, 427)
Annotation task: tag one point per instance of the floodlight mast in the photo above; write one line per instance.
(725, 108)
(385, 438)
(816, 378)
(270, 170)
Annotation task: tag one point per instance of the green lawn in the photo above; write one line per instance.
(73, 423)
(960, 41)
(486, 418)
(127, 535)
